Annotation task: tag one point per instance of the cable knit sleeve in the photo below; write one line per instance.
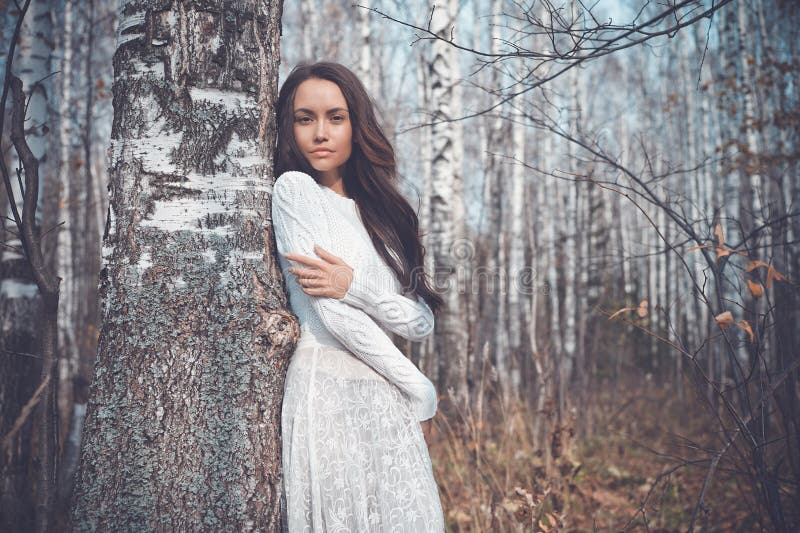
(410, 318)
(298, 217)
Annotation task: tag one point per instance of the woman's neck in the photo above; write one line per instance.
(335, 183)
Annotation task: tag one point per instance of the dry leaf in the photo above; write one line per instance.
(754, 265)
(723, 252)
(746, 326)
(641, 310)
(553, 517)
(755, 289)
(724, 318)
(771, 272)
(719, 234)
(621, 311)
(699, 247)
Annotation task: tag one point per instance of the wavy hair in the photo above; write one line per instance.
(370, 175)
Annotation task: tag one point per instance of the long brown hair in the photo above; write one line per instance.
(370, 175)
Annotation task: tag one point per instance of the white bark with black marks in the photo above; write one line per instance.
(182, 427)
(447, 206)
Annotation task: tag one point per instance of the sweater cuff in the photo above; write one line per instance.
(360, 294)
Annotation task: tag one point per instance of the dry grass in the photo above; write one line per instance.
(493, 477)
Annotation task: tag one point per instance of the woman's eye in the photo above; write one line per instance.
(301, 119)
(340, 117)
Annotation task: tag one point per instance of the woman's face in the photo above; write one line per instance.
(322, 127)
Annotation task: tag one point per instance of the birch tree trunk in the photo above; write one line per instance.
(182, 426)
(516, 257)
(86, 38)
(494, 323)
(447, 209)
(312, 44)
(86, 217)
(569, 237)
(783, 188)
(63, 264)
(428, 358)
(365, 66)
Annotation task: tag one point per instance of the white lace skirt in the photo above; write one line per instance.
(354, 456)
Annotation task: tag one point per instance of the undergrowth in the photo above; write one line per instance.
(640, 470)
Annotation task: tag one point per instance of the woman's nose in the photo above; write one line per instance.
(321, 132)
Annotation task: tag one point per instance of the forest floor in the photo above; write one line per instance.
(625, 476)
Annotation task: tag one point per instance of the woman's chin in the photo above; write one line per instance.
(320, 166)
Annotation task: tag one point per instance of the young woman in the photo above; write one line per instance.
(354, 455)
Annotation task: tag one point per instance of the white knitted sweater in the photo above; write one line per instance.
(305, 213)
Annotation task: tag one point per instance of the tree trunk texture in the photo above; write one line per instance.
(447, 209)
(427, 359)
(365, 67)
(312, 50)
(182, 429)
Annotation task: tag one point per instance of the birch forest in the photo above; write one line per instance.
(608, 195)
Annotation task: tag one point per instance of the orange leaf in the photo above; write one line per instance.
(722, 252)
(746, 326)
(772, 273)
(724, 318)
(755, 289)
(621, 311)
(693, 248)
(641, 310)
(755, 264)
(720, 236)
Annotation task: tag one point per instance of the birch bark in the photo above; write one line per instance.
(182, 427)
(447, 206)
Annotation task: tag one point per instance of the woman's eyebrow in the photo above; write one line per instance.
(333, 110)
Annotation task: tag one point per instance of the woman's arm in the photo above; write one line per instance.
(299, 222)
(410, 318)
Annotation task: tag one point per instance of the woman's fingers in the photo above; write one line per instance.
(310, 261)
(330, 277)
(325, 254)
(306, 272)
(320, 287)
(327, 258)
(318, 291)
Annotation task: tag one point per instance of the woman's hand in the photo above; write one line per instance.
(329, 277)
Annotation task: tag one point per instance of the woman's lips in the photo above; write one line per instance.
(322, 153)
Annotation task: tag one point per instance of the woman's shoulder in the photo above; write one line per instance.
(294, 184)
(295, 178)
